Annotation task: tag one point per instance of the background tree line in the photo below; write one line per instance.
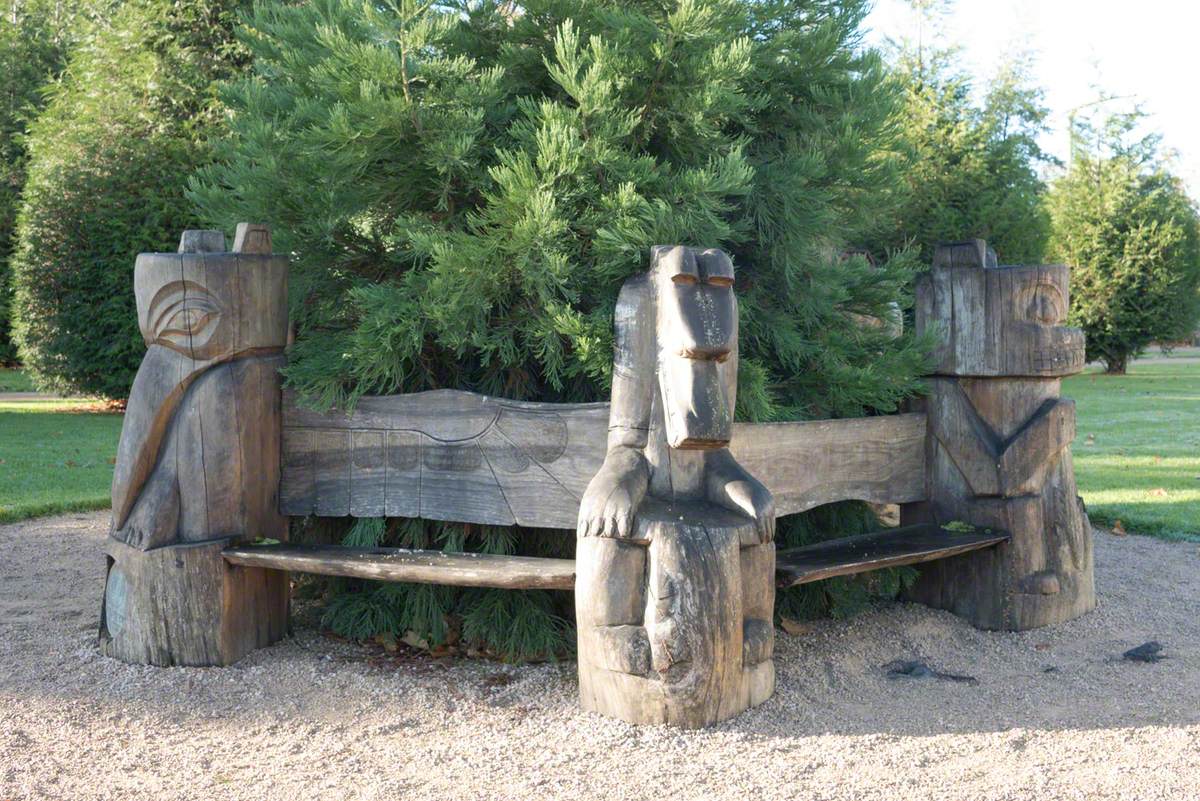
(465, 185)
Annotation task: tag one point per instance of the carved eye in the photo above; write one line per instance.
(720, 280)
(190, 317)
(684, 278)
(1046, 305)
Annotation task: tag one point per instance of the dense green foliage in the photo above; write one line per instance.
(1132, 235)
(465, 186)
(34, 38)
(108, 159)
(974, 164)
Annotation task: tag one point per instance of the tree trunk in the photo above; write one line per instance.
(1116, 365)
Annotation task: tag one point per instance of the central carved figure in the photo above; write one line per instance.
(675, 558)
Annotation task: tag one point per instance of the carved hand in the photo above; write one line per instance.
(614, 494)
(729, 485)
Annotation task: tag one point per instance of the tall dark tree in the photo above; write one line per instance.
(108, 161)
(1132, 236)
(34, 38)
(466, 185)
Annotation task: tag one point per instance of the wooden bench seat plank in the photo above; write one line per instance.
(399, 564)
(890, 548)
(840, 557)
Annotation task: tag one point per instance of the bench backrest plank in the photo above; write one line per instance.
(458, 456)
(877, 459)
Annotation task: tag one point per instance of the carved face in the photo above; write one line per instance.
(697, 335)
(1033, 327)
(998, 320)
(209, 305)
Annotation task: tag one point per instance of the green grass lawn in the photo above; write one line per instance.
(1137, 450)
(53, 457)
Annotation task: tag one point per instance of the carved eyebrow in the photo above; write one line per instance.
(680, 264)
(717, 268)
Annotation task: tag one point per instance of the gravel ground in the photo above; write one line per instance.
(1056, 713)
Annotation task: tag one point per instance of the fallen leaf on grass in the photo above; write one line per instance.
(1158, 492)
(1119, 529)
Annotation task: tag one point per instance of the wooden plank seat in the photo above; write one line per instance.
(838, 557)
(908, 545)
(401, 564)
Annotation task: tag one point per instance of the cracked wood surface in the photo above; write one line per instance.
(458, 456)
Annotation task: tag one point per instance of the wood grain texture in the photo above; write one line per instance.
(199, 458)
(446, 455)
(908, 545)
(399, 564)
(454, 455)
(997, 320)
(806, 464)
(666, 632)
(999, 441)
(183, 605)
(1021, 445)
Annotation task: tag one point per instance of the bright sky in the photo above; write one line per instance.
(1149, 49)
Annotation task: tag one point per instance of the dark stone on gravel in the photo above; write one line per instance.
(900, 668)
(1146, 652)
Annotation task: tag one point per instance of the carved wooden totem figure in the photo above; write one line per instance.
(198, 462)
(1000, 440)
(675, 560)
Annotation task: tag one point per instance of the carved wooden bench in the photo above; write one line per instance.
(460, 457)
(214, 455)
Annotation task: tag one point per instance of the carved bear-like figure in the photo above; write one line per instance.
(675, 587)
(999, 440)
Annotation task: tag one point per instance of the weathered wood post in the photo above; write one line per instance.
(999, 442)
(675, 561)
(198, 462)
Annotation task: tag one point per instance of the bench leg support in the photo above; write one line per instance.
(184, 605)
(676, 628)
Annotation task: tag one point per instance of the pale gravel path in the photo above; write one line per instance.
(310, 719)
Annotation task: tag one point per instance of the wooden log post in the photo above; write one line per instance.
(675, 561)
(999, 441)
(198, 462)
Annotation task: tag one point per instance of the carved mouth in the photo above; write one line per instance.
(1048, 360)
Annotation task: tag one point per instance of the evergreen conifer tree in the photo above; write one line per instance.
(1131, 234)
(465, 186)
(34, 39)
(108, 162)
(975, 163)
